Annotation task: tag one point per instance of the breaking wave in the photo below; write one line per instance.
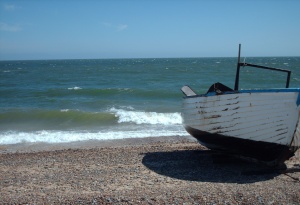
(141, 117)
(73, 125)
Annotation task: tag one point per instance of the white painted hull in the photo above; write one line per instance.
(258, 116)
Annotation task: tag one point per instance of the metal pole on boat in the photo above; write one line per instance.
(288, 79)
(236, 85)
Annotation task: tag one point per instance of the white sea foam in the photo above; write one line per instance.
(73, 136)
(152, 118)
(75, 88)
(131, 124)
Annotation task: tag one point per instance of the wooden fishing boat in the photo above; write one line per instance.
(260, 124)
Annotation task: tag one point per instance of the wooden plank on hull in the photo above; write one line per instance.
(256, 130)
(244, 130)
(249, 102)
(244, 114)
(237, 117)
(242, 97)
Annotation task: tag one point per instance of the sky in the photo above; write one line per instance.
(78, 29)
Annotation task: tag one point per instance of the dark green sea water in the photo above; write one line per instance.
(70, 100)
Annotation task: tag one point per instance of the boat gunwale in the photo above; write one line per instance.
(271, 90)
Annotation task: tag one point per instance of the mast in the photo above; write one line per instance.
(237, 76)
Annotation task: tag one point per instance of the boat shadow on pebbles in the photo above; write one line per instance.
(206, 166)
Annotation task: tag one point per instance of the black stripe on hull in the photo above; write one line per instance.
(262, 151)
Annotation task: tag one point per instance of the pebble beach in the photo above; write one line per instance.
(163, 170)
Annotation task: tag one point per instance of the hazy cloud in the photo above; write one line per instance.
(11, 28)
(9, 7)
(120, 27)
(106, 24)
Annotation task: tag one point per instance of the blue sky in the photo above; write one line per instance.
(77, 29)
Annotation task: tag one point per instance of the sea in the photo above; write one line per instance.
(62, 101)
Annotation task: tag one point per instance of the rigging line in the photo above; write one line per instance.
(291, 170)
(294, 178)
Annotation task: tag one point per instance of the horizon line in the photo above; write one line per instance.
(120, 58)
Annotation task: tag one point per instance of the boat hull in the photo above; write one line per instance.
(258, 150)
(255, 124)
